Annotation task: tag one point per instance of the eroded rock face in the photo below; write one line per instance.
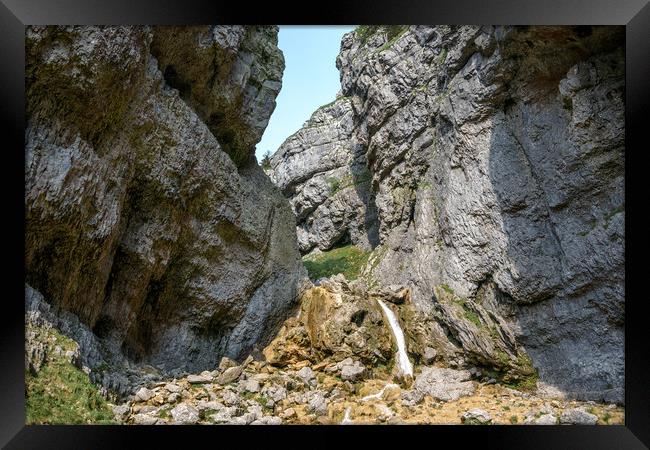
(337, 320)
(493, 162)
(325, 178)
(146, 214)
(342, 327)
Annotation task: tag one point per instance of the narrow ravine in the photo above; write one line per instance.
(387, 194)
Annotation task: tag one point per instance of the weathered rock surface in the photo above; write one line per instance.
(444, 384)
(547, 419)
(326, 180)
(577, 416)
(489, 160)
(147, 216)
(337, 320)
(476, 417)
(185, 414)
(341, 326)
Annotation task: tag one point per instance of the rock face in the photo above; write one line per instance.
(341, 325)
(337, 320)
(147, 216)
(488, 161)
(326, 180)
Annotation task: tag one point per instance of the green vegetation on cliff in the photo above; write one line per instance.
(346, 260)
(60, 393)
(392, 32)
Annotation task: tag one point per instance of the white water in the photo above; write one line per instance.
(402, 358)
(346, 416)
(378, 394)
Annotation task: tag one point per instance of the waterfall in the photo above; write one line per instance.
(346, 417)
(405, 367)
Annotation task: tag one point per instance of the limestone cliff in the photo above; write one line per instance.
(483, 164)
(147, 216)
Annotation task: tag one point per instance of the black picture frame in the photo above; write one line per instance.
(15, 14)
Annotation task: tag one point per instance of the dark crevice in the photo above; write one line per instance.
(174, 80)
(358, 317)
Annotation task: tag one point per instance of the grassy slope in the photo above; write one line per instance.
(61, 393)
(346, 260)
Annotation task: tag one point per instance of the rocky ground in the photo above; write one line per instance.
(331, 363)
(334, 363)
(473, 176)
(303, 393)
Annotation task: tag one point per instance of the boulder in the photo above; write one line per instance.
(185, 414)
(577, 416)
(229, 375)
(352, 371)
(444, 384)
(144, 419)
(200, 379)
(121, 411)
(144, 394)
(476, 416)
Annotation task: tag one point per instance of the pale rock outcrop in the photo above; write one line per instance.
(444, 384)
(476, 416)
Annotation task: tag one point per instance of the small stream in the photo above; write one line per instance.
(404, 365)
(346, 417)
(378, 394)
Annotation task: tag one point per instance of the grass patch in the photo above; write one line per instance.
(62, 394)
(264, 401)
(472, 317)
(375, 257)
(364, 32)
(248, 395)
(346, 260)
(503, 358)
(355, 179)
(393, 34)
(513, 419)
(207, 414)
(335, 185)
(442, 56)
(447, 289)
(467, 312)
(164, 413)
(526, 384)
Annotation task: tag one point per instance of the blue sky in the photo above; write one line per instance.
(310, 79)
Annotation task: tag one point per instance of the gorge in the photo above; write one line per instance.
(477, 171)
